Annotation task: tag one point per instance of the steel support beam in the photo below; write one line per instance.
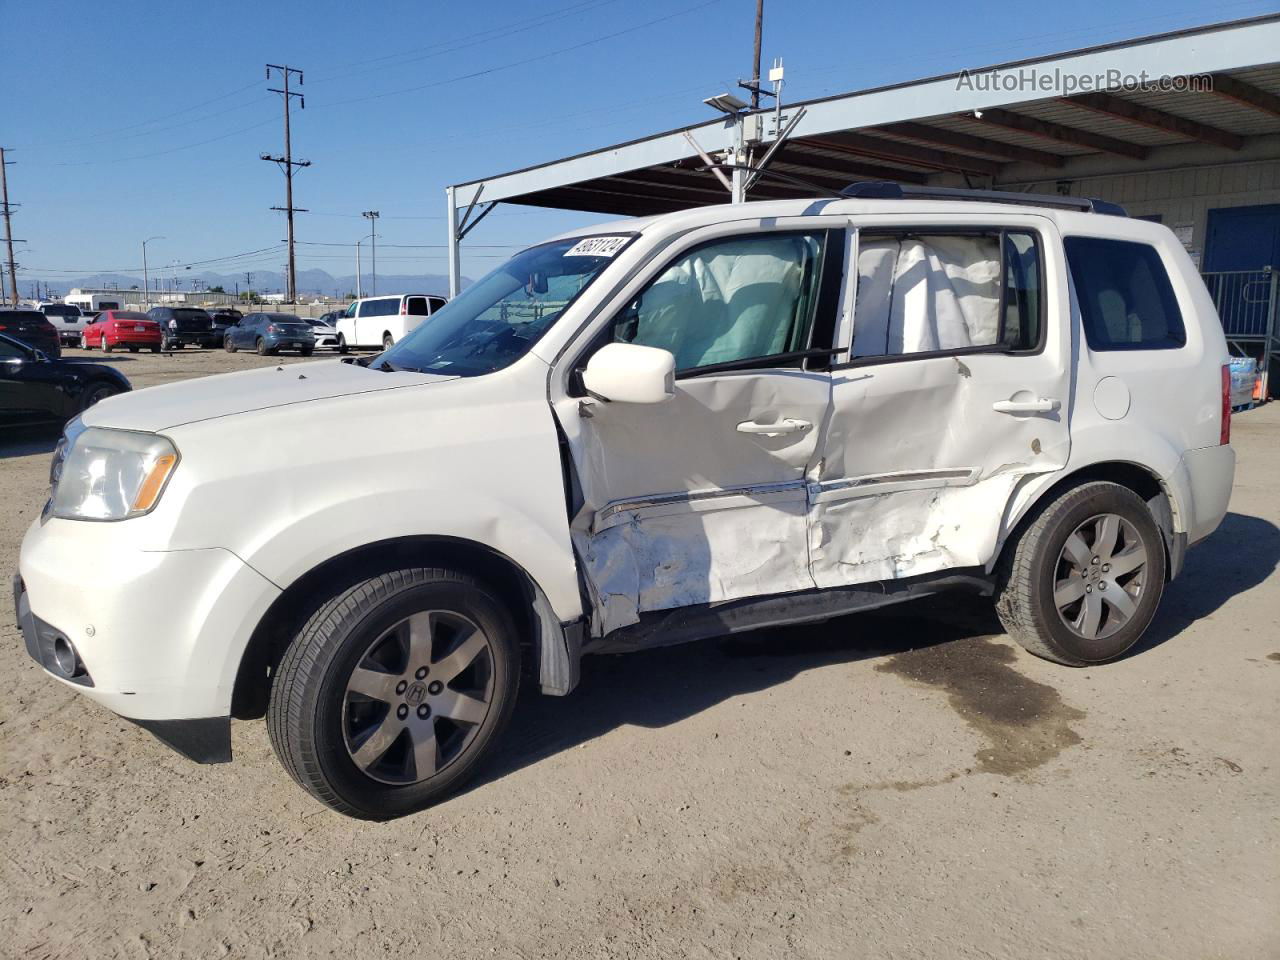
(1113, 106)
(1059, 133)
(859, 145)
(1245, 93)
(966, 141)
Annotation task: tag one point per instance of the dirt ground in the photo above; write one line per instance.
(906, 785)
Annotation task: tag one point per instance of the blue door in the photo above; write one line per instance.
(1239, 244)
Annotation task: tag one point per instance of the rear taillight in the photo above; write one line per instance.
(1224, 435)
(404, 309)
(271, 328)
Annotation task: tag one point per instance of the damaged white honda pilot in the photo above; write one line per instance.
(641, 434)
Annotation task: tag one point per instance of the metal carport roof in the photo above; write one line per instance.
(961, 128)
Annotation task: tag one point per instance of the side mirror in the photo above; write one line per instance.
(628, 373)
(41, 357)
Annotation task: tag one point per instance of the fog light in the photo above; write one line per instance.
(64, 657)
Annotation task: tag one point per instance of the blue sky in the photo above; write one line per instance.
(142, 118)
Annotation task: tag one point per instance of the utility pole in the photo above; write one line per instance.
(755, 71)
(8, 229)
(286, 164)
(248, 288)
(372, 217)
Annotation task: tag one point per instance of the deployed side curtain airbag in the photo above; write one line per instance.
(918, 294)
(727, 301)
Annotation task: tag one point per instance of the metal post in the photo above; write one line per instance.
(359, 288)
(739, 192)
(372, 217)
(455, 271)
(1269, 345)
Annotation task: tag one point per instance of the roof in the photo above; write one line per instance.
(960, 127)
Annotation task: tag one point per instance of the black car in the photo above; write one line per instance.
(271, 333)
(223, 320)
(37, 390)
(33, 328)
(183, 326)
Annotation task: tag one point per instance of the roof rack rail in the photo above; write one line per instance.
(888, 190)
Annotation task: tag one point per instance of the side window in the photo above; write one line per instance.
(729, 300)
(1126, 300)
(11, 351)
(418, 306)
(929, 292)
(436, 303)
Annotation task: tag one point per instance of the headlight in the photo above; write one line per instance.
(101, 474)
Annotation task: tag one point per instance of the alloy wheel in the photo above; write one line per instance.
(418, 696)
(1100, 576)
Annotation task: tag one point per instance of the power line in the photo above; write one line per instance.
(512, 64)
(161, 153)
(287, 163)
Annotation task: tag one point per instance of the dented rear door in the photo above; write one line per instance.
(956, 387)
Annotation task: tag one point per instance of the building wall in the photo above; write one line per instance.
(1184, 197)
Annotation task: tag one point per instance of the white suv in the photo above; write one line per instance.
(382, 322)
(641, 434)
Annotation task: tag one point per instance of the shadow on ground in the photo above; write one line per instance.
(659, 687)
(28, 441)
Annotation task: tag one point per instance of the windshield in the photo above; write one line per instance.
(497, 319)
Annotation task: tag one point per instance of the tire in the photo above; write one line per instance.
(387, 341)
(343, 747)
(307, 351)
(95, 393)
(342, 344)
(106, 347)
(133, 349)
(1039, 571)
(262, 348)
(84, 344)
(229, 346)
(155, 349)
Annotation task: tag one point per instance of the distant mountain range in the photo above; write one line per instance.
(310, 283)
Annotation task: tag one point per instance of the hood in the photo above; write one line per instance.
(207, 398)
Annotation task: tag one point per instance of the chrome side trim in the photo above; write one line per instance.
(878, 483)
(695, 501)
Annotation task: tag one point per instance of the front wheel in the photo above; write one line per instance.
(229, 345)
(394, 691)
(96, 392)
(342, 344)
(84, 343)
(1083, 580)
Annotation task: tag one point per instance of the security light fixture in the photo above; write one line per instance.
(726, 103)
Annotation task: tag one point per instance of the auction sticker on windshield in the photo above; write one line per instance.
(597, 247)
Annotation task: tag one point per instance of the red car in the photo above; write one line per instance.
(122, 328)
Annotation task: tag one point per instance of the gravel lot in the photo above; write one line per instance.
(907, 784)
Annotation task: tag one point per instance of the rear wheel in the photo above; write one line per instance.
(1084, 579)
(262, 348)
(394, 691)
(387, 341)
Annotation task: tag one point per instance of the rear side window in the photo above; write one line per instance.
(436, 303)
(418, 306)
(1126, 300)
(928, 292)
(383, 307)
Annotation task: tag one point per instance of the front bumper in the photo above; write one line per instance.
(157, 635)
